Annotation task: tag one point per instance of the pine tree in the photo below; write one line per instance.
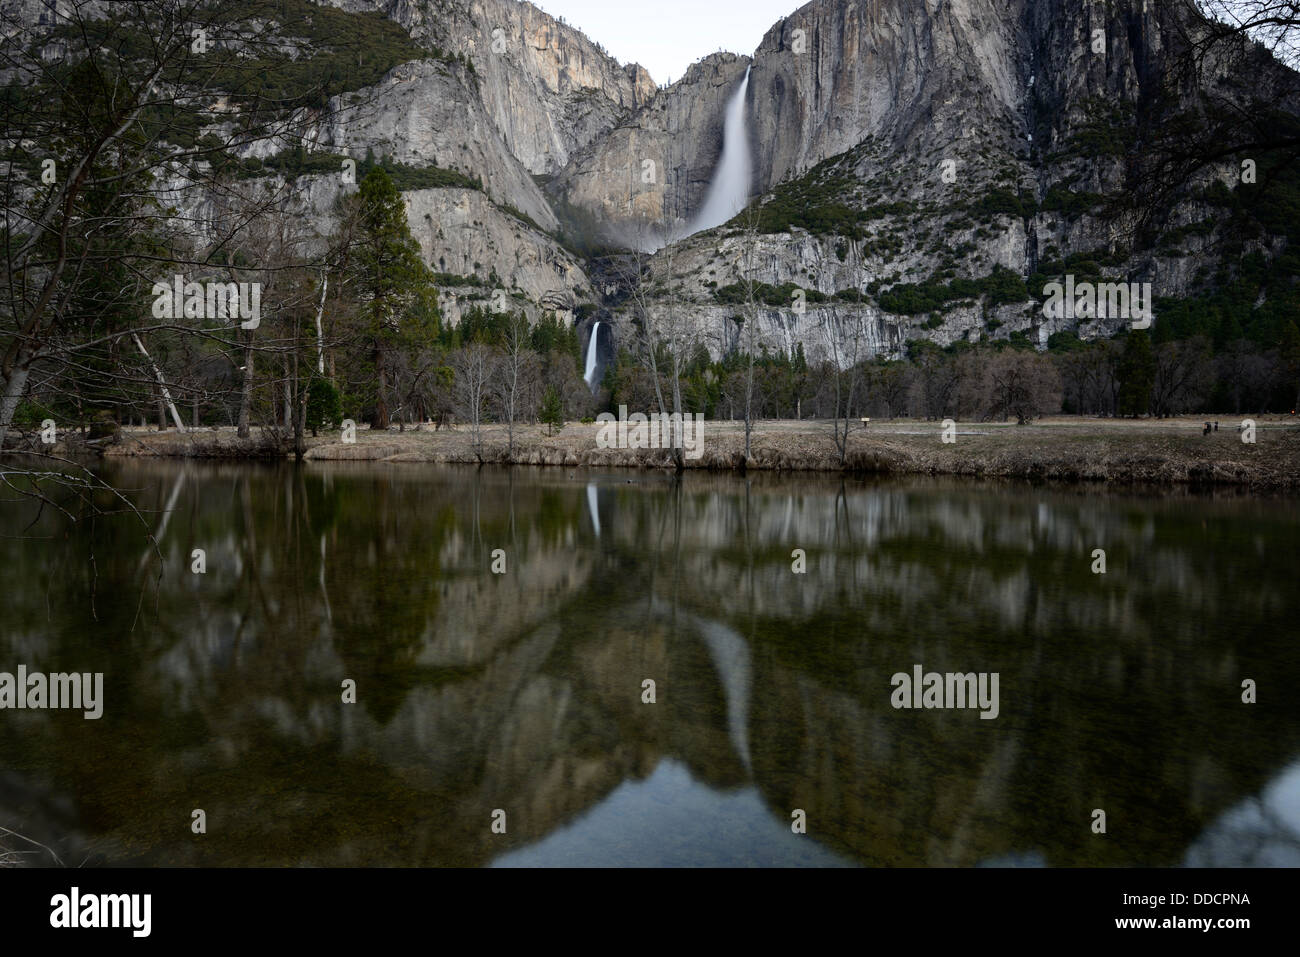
(552, 414)
(392, 283)
(1137, 372)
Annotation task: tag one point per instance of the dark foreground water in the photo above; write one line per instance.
(520, 697)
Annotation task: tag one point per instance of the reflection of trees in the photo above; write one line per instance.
(1104, 705)
(523, 691)
(386, 593)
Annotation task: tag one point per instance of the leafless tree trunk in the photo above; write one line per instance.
(749, 334)
(320, 331)
(70, 242)
(246, 390)
(164, 394)
(516, 353)
(474, 372)
(662, 327)
(843, 342)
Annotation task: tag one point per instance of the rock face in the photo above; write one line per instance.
(547, 87)
(655, 167)
(824, 79)
(837, 71)
(926, 112)
(945, 128)
(460, 231)
(424, 114)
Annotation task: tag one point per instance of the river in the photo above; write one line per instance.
(555, 667)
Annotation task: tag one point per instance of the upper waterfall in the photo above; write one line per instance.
(729, 191)
(591, 354)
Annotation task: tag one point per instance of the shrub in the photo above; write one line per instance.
(552, 414)
(324, 405)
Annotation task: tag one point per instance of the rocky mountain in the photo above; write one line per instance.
(919, 169)
(653, 169)
(949, 134)
(949, 131)
(548, 88)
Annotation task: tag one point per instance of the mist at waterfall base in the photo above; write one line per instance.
(728, 191)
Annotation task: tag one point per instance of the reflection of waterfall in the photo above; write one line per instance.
(729, 191)
(1261, 831)
(591, 507)
(591, 354)
(730, 655)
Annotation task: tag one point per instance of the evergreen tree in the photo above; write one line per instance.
(324, 405)
(1137, 372)
(552, 415)
(392, 283)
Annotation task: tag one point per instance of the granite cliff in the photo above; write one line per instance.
(919, 168)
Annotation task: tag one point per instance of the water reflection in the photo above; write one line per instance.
(673, 820)
(1262, 831)
(523, 690)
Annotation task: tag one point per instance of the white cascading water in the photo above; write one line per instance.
(729, 191)
(591, 355)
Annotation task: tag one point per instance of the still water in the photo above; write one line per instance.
(520, 696)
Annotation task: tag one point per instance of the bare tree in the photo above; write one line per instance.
(1182, 374)
(1191, 125)
(475, 368)
(844, 339)
(100, 139)
(1274, 24)
(658, 312)
(749, 331)
(1088, 380)
(513, 368)
(1024, 385)
(890, 383)
(935, 386)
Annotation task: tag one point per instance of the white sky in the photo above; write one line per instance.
(667, 36)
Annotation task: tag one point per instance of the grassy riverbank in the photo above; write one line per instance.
(1062, 448)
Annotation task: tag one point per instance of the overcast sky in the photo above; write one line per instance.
(667, 36)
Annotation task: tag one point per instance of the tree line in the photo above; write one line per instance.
(1132, 374)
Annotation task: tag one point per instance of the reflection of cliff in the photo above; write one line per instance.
(523, 691)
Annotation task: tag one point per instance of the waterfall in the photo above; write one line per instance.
(591, 355)
(729, 191)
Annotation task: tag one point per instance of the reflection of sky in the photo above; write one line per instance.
(1261, 831)
(672, 820)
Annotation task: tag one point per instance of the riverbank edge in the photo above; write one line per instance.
(1140, 459)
